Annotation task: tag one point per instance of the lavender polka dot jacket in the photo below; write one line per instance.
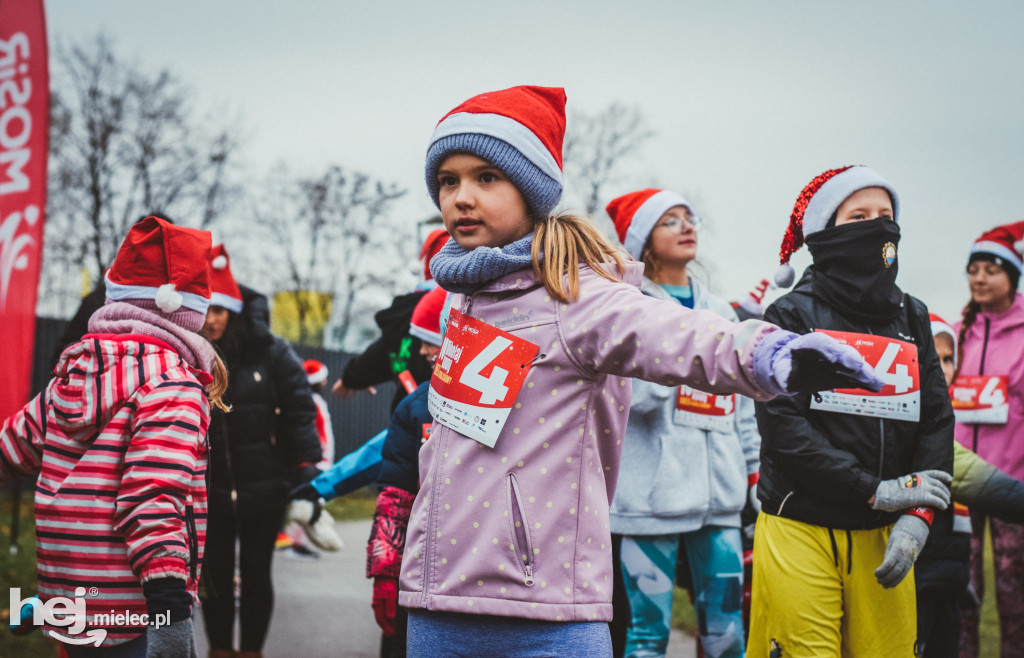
(522, 529)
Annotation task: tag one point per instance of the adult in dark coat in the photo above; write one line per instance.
(261, 449)
(396, 350)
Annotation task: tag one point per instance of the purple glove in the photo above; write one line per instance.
(786, 363)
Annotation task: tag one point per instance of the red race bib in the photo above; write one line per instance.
(981, 399)
(477, 377)
(705, 411)
(895, 363)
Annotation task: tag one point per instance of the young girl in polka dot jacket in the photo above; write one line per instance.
(509, 549)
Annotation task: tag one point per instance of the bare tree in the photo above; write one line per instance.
(124, 143)
(331, 235)
(598, 145)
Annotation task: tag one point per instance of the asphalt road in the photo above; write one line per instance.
(322, 607)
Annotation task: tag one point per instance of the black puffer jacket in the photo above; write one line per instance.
(821, 467)
(257, 449)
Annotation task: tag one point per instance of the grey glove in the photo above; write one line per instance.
(905, 544)
(924, 489)
(173, 641)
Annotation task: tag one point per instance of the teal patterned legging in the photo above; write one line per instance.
(649, 566)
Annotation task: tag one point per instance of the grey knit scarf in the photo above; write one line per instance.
(457, 270)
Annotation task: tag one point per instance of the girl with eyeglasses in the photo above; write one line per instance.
(687, 458)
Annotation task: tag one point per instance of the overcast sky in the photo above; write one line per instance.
(749, 100)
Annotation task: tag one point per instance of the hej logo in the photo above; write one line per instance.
(58, 611)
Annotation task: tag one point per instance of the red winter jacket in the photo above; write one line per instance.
(118, 439)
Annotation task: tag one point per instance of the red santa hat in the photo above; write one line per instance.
(940, 326)
(818, 201)
(224, 291)
(435, 240)
(426, 317)
(753, 301)
(316, 372)
(636, 213)
(164, 268)
(518, 130)
(1003, 246)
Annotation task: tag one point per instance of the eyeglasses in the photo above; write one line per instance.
(676, 223)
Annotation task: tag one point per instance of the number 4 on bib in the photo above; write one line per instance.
(895, 363)
(477, 378)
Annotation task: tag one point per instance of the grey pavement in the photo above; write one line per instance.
(322, 607)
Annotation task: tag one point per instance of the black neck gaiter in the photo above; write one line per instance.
(855, 268)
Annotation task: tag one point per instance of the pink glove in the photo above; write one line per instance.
(385, 599)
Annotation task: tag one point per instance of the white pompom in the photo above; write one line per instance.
(219, 263)
(168, 299)
(785, 276)
(1018, 246)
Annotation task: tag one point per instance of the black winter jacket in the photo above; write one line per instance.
(396, 350)
(822, 467)
(410, 423)
(256, 450)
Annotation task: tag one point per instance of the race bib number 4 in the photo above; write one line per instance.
(477, 377)
(705, 411)
(895, 363)
(981, 399)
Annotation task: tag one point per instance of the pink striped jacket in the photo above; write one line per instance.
(118, 439)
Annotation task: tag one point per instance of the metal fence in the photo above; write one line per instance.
(354, 420)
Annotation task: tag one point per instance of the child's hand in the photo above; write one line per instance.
(385, 598)
(787, 363)
(172, 641)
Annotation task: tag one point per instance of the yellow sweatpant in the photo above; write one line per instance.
(815, 594)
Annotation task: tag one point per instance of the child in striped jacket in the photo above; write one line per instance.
(118, 440)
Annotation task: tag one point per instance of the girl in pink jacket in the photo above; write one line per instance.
(118, 439)
(988, 401)
(509, 549)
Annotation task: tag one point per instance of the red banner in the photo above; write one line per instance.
(24, 139)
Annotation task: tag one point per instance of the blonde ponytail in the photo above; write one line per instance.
(216, 389)
(560, 243)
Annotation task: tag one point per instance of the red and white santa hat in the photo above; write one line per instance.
(426, 317)
(224, 290)
(316, 372)
(940, 326)
(753, 301)
(818, 201)
(435, 240)
(1003, 245)
(163, 268)
(518, 130)
(636, 213)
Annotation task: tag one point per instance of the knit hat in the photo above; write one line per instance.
(518, 130)
(636, 213)
(753, 301)
(426, 317)
(940, 326)
(816, 205)
(1003, 246)
(224, 291)
(435, 240)
(163, 268)
(316, 372)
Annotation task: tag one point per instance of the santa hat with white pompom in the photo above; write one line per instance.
(164, 268)
(223, 288)
(818, 201)
(1004, 246)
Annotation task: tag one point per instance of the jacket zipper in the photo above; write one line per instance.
(981, 371)
(193, 541)
(231, 472)
(513, 496)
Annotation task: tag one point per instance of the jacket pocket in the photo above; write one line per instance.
(193, 542)
(519, 528)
